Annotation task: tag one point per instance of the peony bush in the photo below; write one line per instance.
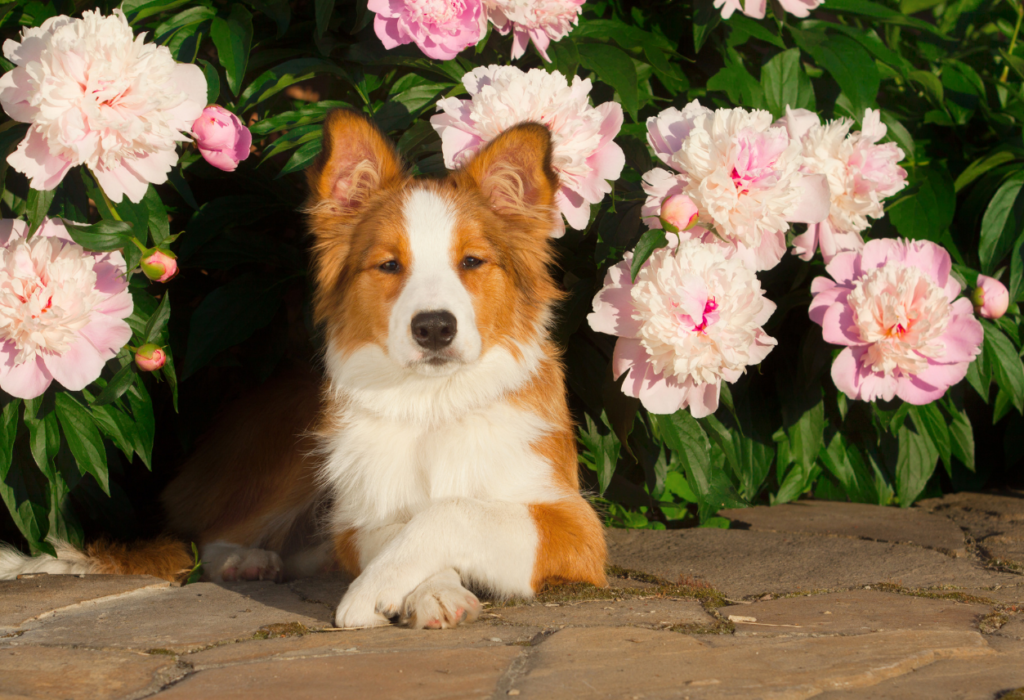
(792, 234)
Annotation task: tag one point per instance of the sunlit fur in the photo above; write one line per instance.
(428, 471)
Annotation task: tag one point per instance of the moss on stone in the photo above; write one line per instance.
(283, 629)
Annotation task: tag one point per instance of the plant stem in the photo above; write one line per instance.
(106, 199)
(1013, 40)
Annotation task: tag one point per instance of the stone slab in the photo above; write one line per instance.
(283, 597)
(27, 598)
(879, 523)
(392, 639)
(324, 589)
(624, 663)
(82, 674)
(423, 675)
(994, 520)
(853, 612)
(176, 619)
(743, 563)
(653, 613)
(967, 679)
(1013, 629)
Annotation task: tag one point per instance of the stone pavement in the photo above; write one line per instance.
(811, 599)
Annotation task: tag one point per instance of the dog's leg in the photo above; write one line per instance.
(490, 543)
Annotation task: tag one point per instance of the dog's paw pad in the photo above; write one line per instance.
(440, 602)
(252, 565)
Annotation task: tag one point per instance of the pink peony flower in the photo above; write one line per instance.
(860, 171)
(61, 309)
(584, 156)
(539, 20)
(990, 298)
(150, 357)
(222, 138)
(160, 265)
(678, 213)
(97, 96)
(893, 306)
(440, 28)
(741, 172)
(756, 8)
(692, 318)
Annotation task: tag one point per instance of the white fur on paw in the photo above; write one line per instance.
(440, 602)
(250, 565)
(368, 603)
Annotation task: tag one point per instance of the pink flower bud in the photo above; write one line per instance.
(990, 297)
(222, 138)
(150, 357)
(159, 265)
(678, 213)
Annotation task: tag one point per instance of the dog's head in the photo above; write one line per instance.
(427, 277)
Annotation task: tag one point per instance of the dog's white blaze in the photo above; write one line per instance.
(433, 283)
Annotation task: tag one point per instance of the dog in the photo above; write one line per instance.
(439, 455)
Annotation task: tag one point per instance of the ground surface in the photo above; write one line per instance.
(812, 599)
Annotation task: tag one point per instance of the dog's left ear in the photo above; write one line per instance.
(514, 171)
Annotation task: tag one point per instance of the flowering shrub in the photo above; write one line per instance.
(792, 247)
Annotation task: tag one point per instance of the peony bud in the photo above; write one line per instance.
(678, 213)
(159, 264)
(990, 297)
(222, 138)
(150, 357)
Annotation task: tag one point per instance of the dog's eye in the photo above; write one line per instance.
(389, 266)
(471, 263)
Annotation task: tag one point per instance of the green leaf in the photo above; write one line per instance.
(1005, 363)
(158, 321)
(116, 387)
(8, 432)
(705, 18)
(38, 205)
(280, 77)
(138, 10)
(233, 39)
(323, 10)
(615, 68)
(898, 134)
(786, 84)
(601, 452)
(915, 465)
(212, 81)
(649, 242)
(302, 157)
(925, 214)
(806, 436)
(116, 425)
(843, 461)
(43, 433)
(1017, 269)
(313, 114)
(749, 459)
(1000, 226)
(930, 84)
(84, 439)
(961, 437)
(193, 15)
(145, 423)
(741, 25)
(103, 236)
(930, 422)
(159, 225)
(852, 67)
(229, 315)
(739, 84)
(881, 12)
(279, 11)
(981, 166)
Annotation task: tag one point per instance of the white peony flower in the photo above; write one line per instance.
(860, 171)
(741, 172)
(539, 20)
(691, 319)
(584, 156)
(97, 96)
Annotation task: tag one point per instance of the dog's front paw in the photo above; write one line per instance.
(440, 602)
(367, 605)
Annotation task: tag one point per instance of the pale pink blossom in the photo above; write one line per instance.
(743, 174)
(756, 8)
(150, 357)
(990, 297)
(160, 265)
(894, 306)
(861, 173)
(678, 213)
(584, 156)
(440, 28)
(95, 95)
(691, 320)
(223, 140)
(539, 20)
(62, 309)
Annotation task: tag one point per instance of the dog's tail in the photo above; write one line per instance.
(163, 557)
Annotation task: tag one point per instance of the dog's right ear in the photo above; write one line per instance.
(356, 161)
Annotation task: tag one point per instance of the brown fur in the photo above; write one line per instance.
(165, 557)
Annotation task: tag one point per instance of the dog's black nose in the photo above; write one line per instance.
(433, 330)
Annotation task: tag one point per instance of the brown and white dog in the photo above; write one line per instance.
(440, 455)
